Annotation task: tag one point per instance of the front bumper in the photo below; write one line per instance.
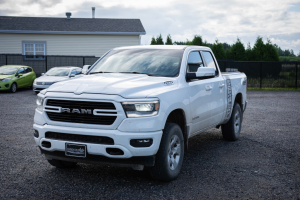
(121, 141)
(5, 85)
(38, 88)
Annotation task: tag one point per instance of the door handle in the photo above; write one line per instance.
(208, 88)
(221, 85)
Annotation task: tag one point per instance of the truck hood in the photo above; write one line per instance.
(125, 85)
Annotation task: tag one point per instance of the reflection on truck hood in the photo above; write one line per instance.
(125, 85)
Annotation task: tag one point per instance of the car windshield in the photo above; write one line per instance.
(58, 72)
(153, 62)
(8, 70)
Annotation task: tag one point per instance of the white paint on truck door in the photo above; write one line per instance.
(200, 92)
(218, 90)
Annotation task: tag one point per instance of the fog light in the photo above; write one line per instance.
(7, 85)
(141, 142)
(36, 134)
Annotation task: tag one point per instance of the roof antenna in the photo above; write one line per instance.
(93, 12)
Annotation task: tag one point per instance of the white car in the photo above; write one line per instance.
(138, 106)
(55, 75)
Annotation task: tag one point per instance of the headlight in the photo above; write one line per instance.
(141, 109)
(34, 82)
(39, 103)
(6, 79)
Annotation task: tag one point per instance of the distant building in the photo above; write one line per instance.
(35, 37)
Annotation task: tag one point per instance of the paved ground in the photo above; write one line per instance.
(263, 164)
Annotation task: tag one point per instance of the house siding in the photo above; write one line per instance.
(75, 45)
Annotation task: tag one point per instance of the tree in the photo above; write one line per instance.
(237, 51)
(299, 54)
(270, 52)
(292, 53)
(153, 41)
(248, 53)
(218, 50)
(228, 56)
(159, 40)
(258, 49)
(169, 40)
(197, 40)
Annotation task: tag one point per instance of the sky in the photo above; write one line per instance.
(277, 20)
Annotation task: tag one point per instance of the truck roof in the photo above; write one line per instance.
(160, 47)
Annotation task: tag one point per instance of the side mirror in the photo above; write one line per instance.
(19, 75)
(72, 75)
(43, 74)
(85, 68)
(202, 72)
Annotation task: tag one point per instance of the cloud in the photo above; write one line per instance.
(225, 20)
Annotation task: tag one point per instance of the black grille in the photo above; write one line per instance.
(81, 104)
(45, 83)
(79, 138)
(81, 118)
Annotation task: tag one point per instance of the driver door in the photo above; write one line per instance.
(199, 95)
(20, 80)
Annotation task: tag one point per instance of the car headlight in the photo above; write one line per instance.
(141, 109)
(39, 103)
(6, 79)
(34, 82)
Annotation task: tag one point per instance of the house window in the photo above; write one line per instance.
(34, 50)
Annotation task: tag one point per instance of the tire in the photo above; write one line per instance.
(166, 168)
(231, 130)
(13, 88)
(61, 163)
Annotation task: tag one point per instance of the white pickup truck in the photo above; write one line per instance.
(137, 107)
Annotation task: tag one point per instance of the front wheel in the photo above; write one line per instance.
(169, 157)
(231, 130)
(13, 88)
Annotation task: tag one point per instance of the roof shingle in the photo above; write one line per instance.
(88, 25)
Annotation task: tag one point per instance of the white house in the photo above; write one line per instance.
(35, 37)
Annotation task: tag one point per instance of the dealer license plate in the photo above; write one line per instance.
(75, 150)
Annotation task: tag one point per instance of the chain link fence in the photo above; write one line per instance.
(48, 62)
(263, 74)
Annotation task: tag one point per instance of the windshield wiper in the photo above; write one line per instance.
(99, 72)
(135, 73)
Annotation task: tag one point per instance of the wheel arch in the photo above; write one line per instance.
(239, 99)
(178, 116)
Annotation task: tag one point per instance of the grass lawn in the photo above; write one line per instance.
(272, 89)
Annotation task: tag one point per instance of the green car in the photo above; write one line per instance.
(16, 76)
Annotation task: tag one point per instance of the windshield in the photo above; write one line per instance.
(58, 72)
(8, 70)
(153, 62)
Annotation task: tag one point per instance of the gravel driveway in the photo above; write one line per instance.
(263, 164)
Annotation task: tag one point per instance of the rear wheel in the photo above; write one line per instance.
(61, 163)
(13, 88)
(231, 130)
(169, 157)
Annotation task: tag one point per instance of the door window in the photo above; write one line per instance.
(209, 60)
(194, 61)
(74, 72)
(21, 71)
